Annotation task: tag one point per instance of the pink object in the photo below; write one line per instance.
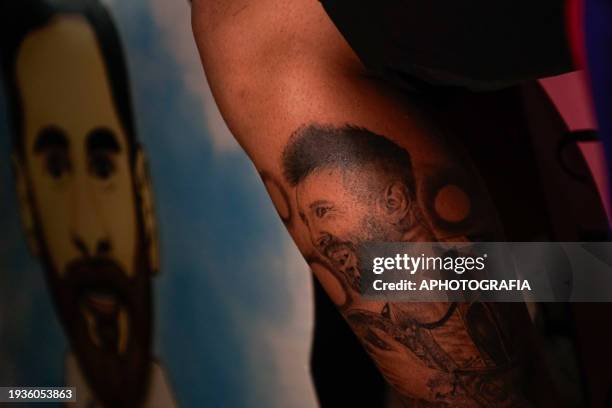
(571, 97)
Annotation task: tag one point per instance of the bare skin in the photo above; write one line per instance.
(346, 159)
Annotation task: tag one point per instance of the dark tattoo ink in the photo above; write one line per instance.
(338, 287)
(278, 195)
(352, 186)
(446, 197)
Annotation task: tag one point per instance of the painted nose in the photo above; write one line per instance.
(88, 235)
(102, 247)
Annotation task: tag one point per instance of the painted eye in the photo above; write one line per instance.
(57, 164)
(52, 147)
(102, 166)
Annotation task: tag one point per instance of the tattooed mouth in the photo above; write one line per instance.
(342, 256)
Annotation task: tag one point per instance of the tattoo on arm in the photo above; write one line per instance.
(346, 186)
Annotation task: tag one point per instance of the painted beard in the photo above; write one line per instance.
(107, 317)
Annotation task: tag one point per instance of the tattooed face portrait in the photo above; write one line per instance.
(85, 198)
(351, 186)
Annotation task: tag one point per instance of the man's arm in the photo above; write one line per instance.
(346, 159)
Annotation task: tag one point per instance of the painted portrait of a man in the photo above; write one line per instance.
(84, 193)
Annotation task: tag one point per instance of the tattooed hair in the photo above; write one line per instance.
(314, 147)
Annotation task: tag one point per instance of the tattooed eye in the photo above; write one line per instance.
(321, 211)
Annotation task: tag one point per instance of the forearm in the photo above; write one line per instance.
(346, 160)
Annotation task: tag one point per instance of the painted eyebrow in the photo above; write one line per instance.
(50, 138)
(102, 139)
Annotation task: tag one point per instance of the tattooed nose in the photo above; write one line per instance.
(323, 241)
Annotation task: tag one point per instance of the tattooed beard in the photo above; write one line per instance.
(453, 385)
(343, 254)
(436, 355)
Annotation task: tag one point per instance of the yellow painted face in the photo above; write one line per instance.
(76, 152)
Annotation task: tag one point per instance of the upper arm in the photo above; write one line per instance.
(276, 66)
(347, 159)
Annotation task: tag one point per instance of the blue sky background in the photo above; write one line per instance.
(233, 299)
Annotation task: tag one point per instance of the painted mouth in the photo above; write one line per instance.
(101, 303)
(106, 318)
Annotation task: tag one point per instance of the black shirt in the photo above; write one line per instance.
(478, 44)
